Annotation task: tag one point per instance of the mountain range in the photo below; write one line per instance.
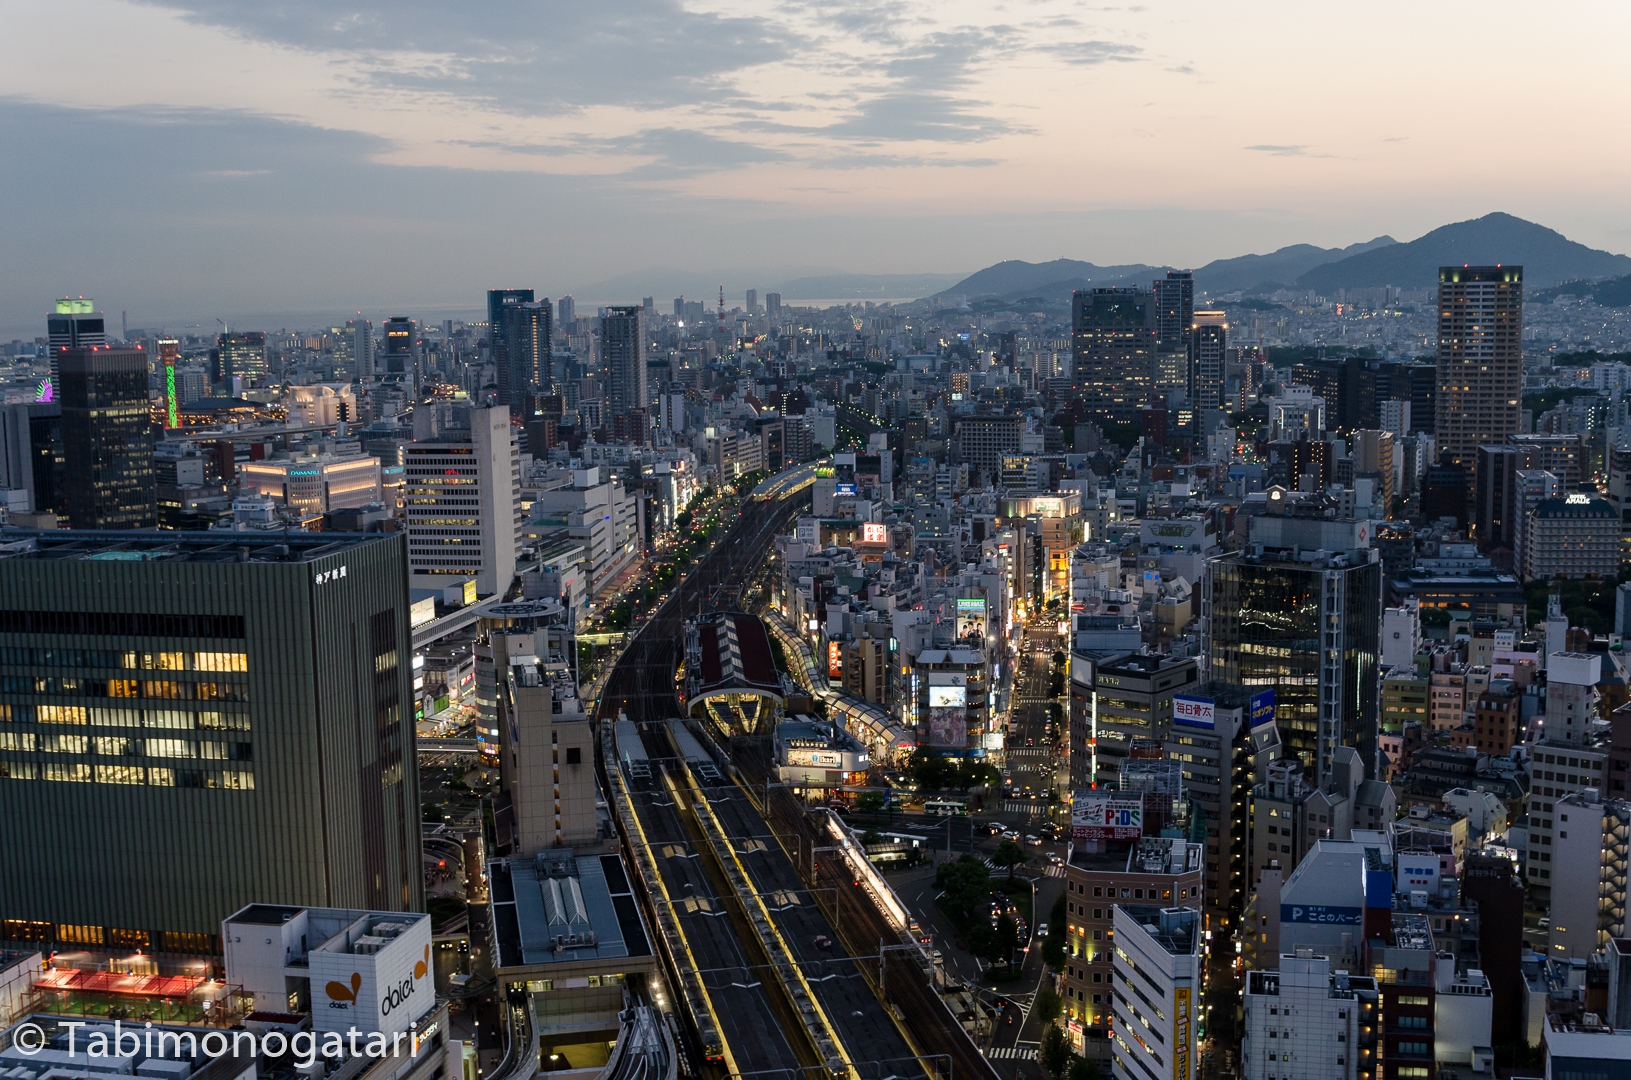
(1548, 258)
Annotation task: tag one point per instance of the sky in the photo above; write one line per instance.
(244, 159)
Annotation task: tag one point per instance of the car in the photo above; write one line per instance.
(1010, 834)
(1055, 859)
(1042, 930)
(1033, 839)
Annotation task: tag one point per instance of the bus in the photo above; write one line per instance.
(945, 807)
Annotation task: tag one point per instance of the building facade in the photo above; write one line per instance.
(107, 439)
(190, 726)
(463, 497)
(1113, 342)
(1480, 358)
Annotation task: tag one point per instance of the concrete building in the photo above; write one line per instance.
(1401, 636)
(1589, 864)
(1576, 536)
(1158, 870)
(623, 348)
(315, 483)
(1158, 958)
(107, 439)
(1480, 358)
(204, 725)
(598, 512)
(1308, 1022)
(1113, 344)
(1132, 699)
(463, 497)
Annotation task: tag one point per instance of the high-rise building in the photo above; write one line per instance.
(243, 356)
(1175, 315)
(1480, 358)
(75, 324)
(525, 362)
(499, 302)
(203, 727)
(1301, 615)
(463, 497)
(753, 301)
(362, 345)
(1307, 1020)
(107, 439)
(1113, 338)
(773, 305)
(401, 352)
(566, 314)
(1208, 345)
(1162, 948)
(169, 356)
(623, 347)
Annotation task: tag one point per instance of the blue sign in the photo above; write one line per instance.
(844, 489)
(1321, 913)
(1262, 707)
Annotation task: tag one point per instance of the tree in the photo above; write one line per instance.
(1055, 1052)
(1048, 1005)
(1008, 856)
(972, 772)
(1053, 947)
(964, 884)
(1082, 1068)
(869, 802)
(1006, 938)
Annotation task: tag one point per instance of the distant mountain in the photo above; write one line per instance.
(1258, 273)
(1610, 292)
(1547, 257)
(1013, 278)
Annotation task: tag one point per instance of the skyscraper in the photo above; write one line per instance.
(211, 726)
(623, 345)
(527, 337)
(75, 324)
(773, 305)
(753, 301)
(362, 345)
(1480, 358)
(1113, 338)
(566, 313)
(1208, 342)
(169, 357)
(1299, 614)
(107, 439)
(243, 356)
(1175, 303)
(401, 356)
(463, 497)
(499, 302)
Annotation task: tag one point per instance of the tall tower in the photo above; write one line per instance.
(1208, 340)
(107, 439)
(1113, 337)
(1480, 358)
(75, 324)
(362, 344)
(499, 302)
(527, 336)
(623, 344)
(1175, 314)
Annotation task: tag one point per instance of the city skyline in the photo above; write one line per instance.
(853, 140)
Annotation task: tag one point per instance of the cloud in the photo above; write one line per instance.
(1285, 150)
(1085, 53)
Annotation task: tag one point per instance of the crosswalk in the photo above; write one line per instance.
(1024, 806)
(1022, 1052)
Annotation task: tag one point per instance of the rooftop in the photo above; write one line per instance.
(559, 908)
(1175, 929)
(736, 655)
(170, 546)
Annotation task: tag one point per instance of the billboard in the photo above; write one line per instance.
(1262, 707)
(948, 697)
(384, 991)
(1193, 712)
(1094, 816)
(1321, 913)
(835, 659)
(844, 491)
(1181, 1024)
(948, 727)
(970, 616)
(874, 533)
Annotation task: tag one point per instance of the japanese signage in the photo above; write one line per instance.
(874, 533)
(1193, 712)
(1099, 817)
(1262, 707)
(835, 660)
(1321, 913)
(970, 616)
(1181, 1022)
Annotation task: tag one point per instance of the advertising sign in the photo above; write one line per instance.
(948, 727)
(1181, 1053)
(844, 491)
(835, 660)
(822, 758)
(874, 533)
(1193, 712)
(1100, 817)
(384, 991)
(1262, 707)
(948, 697)
(970, 616)
(1321, 913)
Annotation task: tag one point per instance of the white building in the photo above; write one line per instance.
(315, 483)
(1588, 848)
(1401, 635)
(1307, 1022)
(598, 512)
(1158, 959)
(463, 497)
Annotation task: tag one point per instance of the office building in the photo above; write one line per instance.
(1308, 1022)
(361, 333)
(1175, 311)
(1576, 536)
(243, 357)
(1373, 458)
(1158, 870)
(1132, 699)
(498, 301)
(566, 314)
(74, 324)
(1113, 339)
(523, 363)
(1208, 345)
(753, 301)
(193, 725)
(1480, 358)
(1495, 497)
(463, 497)
(400, 355)
(623, 347)
(1158, 958)
(773, 305)
(599, 512)
(983, 440)
(107, 439)
(1589, 865)
(1303, 618)
(1563, 761)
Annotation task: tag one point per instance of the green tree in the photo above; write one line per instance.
(1009, 855)
(1048, 1005)
(1055, 1053)
(1007, 939)
(1082, 1068)
(1053, 946)
(972, 772)
(869, 802)
(963, 884)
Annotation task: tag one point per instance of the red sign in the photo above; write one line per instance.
(835, 659)
(874, 533)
